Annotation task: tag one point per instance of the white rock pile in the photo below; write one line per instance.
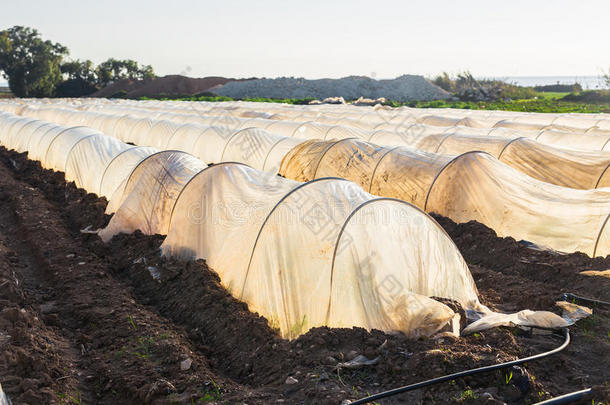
(403, 88)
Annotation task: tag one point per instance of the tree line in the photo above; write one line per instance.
(40, 68)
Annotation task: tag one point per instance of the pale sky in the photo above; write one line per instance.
(316, 39)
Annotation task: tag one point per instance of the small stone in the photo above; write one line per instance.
(186, 364)
(154, 273)
(48, 308)
(291, 381)
(346, 402)
(330, 360)
(71, 256)
(351, 355)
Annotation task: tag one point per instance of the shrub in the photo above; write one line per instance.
(560, 88)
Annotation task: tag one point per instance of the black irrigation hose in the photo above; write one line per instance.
(570, 296)
(453, 376)
(567, 398)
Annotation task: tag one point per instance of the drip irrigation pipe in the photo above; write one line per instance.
(460, 374)
(567, 398)
(570, 296)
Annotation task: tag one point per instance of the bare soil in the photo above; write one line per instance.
(82, 322)
(166, 85)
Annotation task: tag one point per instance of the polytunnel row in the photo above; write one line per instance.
(470, 186)
(560, 218)
(365, 117)
(369, 117)
(258, 148)
(379, 115)
(88, 157)
(319, 253)
(389, 132)
(264, 151)
(560, 166)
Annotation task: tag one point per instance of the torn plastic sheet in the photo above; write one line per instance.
(573, 312)
(598, 273)
(3, 398)
(528, 318)
(540, 319)
(358, 361)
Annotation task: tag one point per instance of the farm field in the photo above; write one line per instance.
(105, 318)
(304, 203)
(236, 356)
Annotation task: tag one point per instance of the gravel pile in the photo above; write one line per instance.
(403, 88)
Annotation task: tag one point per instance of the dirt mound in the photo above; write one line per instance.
(166, 85)
(403, 88)
(117, 328)
(121, 87)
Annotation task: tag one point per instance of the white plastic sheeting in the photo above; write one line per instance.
(61, 145)
(4, 400)
(251, 145)
(318, 253)
(118, 169)
(564, 167)
(148, 195)
(471, 186)
(359, 117)
(95, 162)
(569, 168)
(88, 159)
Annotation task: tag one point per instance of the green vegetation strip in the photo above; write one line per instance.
(552, 102)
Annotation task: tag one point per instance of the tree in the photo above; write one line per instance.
(80, 79)
(445, 82)
(112, 70)
(36, 68)
(77, 69)
(31, 65)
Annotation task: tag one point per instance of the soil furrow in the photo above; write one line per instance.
(117, 351)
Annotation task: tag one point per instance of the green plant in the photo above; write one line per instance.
(67, 399)
(143, 349)
(119, 354)
(211, 394)
(508, 377)
(533, 102)
(468, 395)
(298, 328)
(131, 322)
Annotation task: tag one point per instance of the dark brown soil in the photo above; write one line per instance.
(166, 85)
(88, 322)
